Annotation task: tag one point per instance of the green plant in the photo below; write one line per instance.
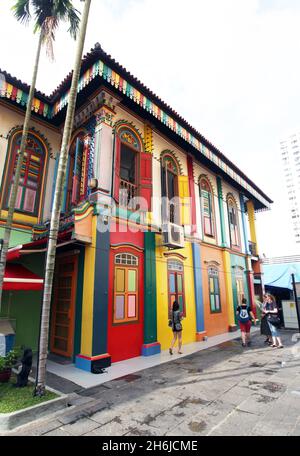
(8, 361)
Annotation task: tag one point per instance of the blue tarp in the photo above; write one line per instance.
(280, 275)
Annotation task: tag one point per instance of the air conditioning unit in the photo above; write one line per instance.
(173, 235)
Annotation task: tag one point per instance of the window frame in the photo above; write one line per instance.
(11, 160)
(176, 273)
(212, 218)
(126, 293)
(231, 204)
(172, 216)
(213, 273)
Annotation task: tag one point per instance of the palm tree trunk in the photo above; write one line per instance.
(15, 185)
(55, 216)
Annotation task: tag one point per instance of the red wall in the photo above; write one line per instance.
(125, 341)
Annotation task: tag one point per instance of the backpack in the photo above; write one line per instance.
(244, 316)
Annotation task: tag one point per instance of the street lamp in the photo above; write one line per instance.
(293, 272)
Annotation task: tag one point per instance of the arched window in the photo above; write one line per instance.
(176, 284)
(31, 177)
(126, 296)
(214, 290)
(169, 180)
(207, 207)
(233, 222)
(132, 169)
(130, 146)
(76, 182)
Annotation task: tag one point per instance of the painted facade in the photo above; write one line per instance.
(152, 212)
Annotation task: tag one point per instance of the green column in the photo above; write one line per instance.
(151, 346)
(221, 209)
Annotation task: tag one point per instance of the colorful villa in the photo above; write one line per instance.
(152, 212)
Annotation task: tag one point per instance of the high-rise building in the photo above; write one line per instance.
(290, 154)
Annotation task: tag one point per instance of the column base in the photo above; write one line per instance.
(201, 336)
(233, 328)
(151, 349)
(93, 364)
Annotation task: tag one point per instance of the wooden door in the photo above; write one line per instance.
(63, 307)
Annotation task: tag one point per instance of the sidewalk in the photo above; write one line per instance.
(88, 380)
(221, 390)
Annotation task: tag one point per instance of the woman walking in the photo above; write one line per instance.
(264, 326)
(273, 321)
(245, 315)
(176, 326)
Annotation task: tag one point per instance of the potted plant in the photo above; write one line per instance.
(6, 364)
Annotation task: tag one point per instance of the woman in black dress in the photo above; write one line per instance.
(176, 328)
(264, 325)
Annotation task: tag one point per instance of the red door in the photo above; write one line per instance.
(126, 304)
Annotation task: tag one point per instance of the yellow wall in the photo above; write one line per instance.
(11, 118)
(88, 295)
(164, 333)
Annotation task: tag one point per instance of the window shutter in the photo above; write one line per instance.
(117, 165)
(183, 187)
(146, 179)
(77, 171)
(65, 192)
(54, 178)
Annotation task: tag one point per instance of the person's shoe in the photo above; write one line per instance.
(180, 353)
(244, 345)
(266, 341)
(170, 351)
(274, 346)
(280, 346)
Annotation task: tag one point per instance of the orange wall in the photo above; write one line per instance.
(215, 323)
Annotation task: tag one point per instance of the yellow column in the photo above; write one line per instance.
(251, 217)
(184, 195)
(88, 295)
(148, 135)
(229, 292)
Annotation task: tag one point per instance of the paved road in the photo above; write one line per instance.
(226, 390)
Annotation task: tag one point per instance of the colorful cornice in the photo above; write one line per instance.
(13, 93)
(99, 68)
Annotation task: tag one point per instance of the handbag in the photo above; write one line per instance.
(170, 323)
(274, 320)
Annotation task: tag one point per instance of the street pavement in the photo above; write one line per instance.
(227, 390)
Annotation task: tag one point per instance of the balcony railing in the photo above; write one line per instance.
(253, 248)
(128, 191)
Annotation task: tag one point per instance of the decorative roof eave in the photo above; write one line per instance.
(16, 91)
(99, 68)
(159, 110)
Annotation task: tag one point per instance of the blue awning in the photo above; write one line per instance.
(280, 275)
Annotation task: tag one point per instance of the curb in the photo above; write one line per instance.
(10, 421)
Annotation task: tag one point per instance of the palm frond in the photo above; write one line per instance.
(21, 11)
(47, 16)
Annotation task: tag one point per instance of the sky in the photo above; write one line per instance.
(231, 68)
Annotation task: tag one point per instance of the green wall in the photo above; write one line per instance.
(237, 260)
(24, 308)
(17, 237)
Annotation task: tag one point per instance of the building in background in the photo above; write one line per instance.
(290, 155)
(121, 262)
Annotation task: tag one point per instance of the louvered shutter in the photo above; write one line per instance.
(77, 171)
(117, 165)
(146, 180)
(54, 179)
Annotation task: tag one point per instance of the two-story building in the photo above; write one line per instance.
(152, 212)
